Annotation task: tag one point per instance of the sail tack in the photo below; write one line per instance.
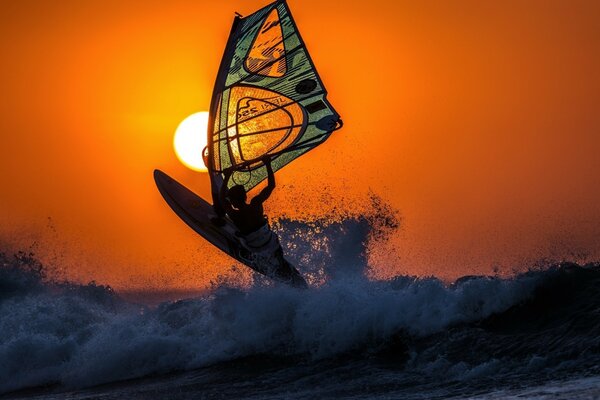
(268, 99)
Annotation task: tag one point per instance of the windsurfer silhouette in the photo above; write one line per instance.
(247, 217)
(253, 227)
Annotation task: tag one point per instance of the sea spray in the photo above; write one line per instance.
(80, 335)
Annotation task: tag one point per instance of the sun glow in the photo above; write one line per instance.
(190, 140)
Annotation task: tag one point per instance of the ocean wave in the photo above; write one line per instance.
(80, 335)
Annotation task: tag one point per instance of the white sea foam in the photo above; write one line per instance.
(84, 335)
(81, 335)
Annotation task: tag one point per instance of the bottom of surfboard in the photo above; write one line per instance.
(197, 213)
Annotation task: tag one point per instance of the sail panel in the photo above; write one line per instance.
(268, 99)
(267, 53)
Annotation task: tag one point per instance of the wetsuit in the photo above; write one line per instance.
(254, 231)
(249, 217)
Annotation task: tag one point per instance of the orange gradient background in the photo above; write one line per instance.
(478, 121)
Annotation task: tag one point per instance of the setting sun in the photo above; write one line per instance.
(190, 140)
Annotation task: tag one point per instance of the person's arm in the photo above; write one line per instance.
(223, 192)
(266, 192)
(216, 183)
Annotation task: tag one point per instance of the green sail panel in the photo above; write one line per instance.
(268, 100)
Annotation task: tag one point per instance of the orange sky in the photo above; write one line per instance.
(477, 120)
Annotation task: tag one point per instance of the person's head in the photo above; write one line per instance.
(237, 195)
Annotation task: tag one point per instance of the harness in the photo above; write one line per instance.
(264, 247)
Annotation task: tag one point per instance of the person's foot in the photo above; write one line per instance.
(218, 221)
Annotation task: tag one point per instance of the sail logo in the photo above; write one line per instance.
(261, 123)
(255, 106)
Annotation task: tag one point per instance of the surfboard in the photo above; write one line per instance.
(197, 214)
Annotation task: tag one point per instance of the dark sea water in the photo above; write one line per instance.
(534, 335)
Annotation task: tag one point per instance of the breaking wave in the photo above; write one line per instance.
(74, 335)
(478, 330)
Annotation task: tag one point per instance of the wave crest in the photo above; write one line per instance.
(80, 335)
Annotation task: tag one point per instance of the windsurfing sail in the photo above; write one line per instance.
(268, 100)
